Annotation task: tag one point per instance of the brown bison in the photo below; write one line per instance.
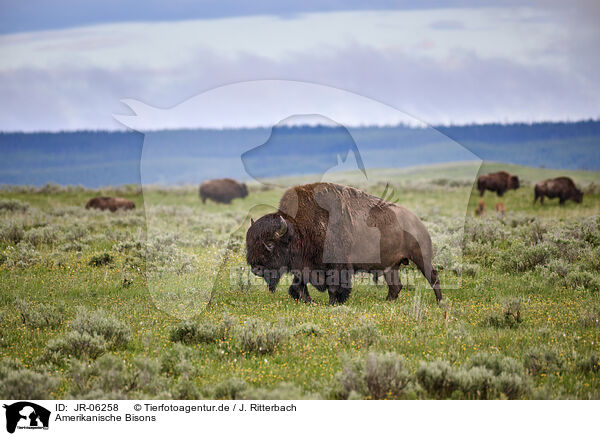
(109, 203)
(561, 187)
(499, 182)
(500, 209)
(323, 233)
(222, 190)
(480, 210)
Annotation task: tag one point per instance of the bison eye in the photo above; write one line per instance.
(269, 245)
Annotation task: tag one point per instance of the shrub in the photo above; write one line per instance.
(18, 383)
(283, 391)
(510, 378)
(559, 266)
(189, 332)
(582, 280)
(176, 361)
(23, 255)
(309, 329)
(521, 257)
(589, 363)
(259, 337)
(362, 335)
(109, 378)
(40, 315)
(101, 259)
(470, 269)
(378, 376)
(11, 205)
(185, 389)
(484, 377)
(97, 323)
(144, 377)
(11, 232)
(540, 360)
(510, 317)
(41, 235)
(75, 344)
(229, 389)
(590, 317)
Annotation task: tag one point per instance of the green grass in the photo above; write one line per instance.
(543, 260)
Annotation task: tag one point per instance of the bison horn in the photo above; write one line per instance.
(251, 221)
(282, 228)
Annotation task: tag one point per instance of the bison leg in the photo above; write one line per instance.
(338, 294)
(392, 278)
(299, 291)
(562, 200)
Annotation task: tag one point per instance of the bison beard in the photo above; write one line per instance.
(323, 233)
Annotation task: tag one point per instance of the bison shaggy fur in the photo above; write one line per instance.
(222, 190)
(562, 187)
(323, 233)
(109, 203)
(499, 183)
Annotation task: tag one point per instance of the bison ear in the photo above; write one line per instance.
(251, 221)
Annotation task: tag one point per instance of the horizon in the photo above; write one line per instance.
(368, 126)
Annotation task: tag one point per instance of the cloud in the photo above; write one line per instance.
(496, 65)
(461, 88)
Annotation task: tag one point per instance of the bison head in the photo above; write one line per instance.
(244, 190)
(514, 182)
(578, 197)
(268, 248)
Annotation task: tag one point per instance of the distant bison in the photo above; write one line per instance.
(499, 182)
(222, 190)
(323, 233)
(561, 187)
(110, 203)
(500, 208)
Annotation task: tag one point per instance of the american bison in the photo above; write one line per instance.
(500, 209)
(323, 233)
(222, 190)
(110, 203)
(561, 187)
(499, 182)
(480, 210)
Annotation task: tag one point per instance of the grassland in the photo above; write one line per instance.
(158, 302)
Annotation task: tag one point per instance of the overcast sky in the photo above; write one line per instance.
(66, 64)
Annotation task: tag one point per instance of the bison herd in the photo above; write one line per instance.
(324, 233)
(562, 188)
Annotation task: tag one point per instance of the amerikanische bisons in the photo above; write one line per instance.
(323, 233)
(110, 203)
(499, 183)
(222, 190)
(562, 187)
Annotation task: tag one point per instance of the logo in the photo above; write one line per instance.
(26, 415)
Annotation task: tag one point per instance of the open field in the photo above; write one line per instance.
(520, 316)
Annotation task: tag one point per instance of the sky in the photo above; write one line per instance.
(68, 64)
